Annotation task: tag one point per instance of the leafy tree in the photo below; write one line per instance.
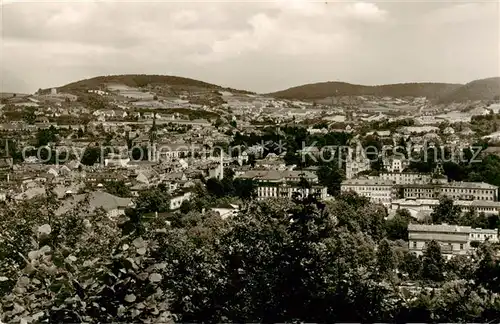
(397, 227)
(245, 188)
(153, 200)
(304, 184)
(117, 188)
(411, 265)
(446, 212)
(29, 116)
(215, 187)
(433, 262)
(459, 267)
(46, 136)
(487, 273)
(386, 260)
(331, 177)
(91, 156)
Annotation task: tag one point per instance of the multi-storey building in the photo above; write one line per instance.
(280, 176)
(420, 208)
(379, 191)
(400, 178)
(286, 190)
(454, 240)
(455, 190)
(283, 184)
(396, 164)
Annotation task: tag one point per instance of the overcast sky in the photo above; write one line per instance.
(261, 46)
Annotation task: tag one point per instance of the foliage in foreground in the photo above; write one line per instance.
(278, 261)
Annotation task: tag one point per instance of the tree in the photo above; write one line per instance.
(446, 212)
(487, 273)
(251, 160)
(46, 136)
(330, 176)
(153, 200)
(245, 188)
(386, 260)
(411, 265)
(117, 188)
(215, 187)
(397, 227)
(459, 267)
(433, 262)
(91, 156)
(29, 116)
(304, 184)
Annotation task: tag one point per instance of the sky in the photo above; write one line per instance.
(261, 46)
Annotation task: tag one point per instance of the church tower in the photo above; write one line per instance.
(221, 167)
(152, 141)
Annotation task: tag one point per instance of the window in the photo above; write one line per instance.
(461, 246)
(414, 245)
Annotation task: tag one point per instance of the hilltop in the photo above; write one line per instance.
(484, 89)
(170, 83)
(329, 89)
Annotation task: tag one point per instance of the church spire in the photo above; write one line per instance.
(152, 141)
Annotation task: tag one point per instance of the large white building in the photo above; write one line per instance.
(283, 184)
(455, 190)
(399, 178)
(420, 208)
(379, 191)
(454, 240)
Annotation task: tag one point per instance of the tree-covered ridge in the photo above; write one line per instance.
(277, 261)
(329, 89)
(141, 80)
(484, 89)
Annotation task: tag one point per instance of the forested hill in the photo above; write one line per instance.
(484, 89)
(328, 89)
(143, 80)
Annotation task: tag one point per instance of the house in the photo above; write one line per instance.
(225, 211)
(453, 239)
(91, 202)
(176, 201)
(379, 191)
(454, 190)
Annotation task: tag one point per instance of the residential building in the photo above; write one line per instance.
(113, 206)
(400, 178)
(420, 208)
(455, 190)
(379, 191)
(287, 190)
(176, 201)
(454, 240)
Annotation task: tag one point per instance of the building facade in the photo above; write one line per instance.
(454, 190)
(401, 178)
(454, 240)
(379, 191)
(419, 208)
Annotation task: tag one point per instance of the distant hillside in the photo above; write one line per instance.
(329, 89)
(143, 80)
(484, 89)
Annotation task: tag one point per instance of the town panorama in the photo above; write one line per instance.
(206, 195)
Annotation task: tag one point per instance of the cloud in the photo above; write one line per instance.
(51, 43)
